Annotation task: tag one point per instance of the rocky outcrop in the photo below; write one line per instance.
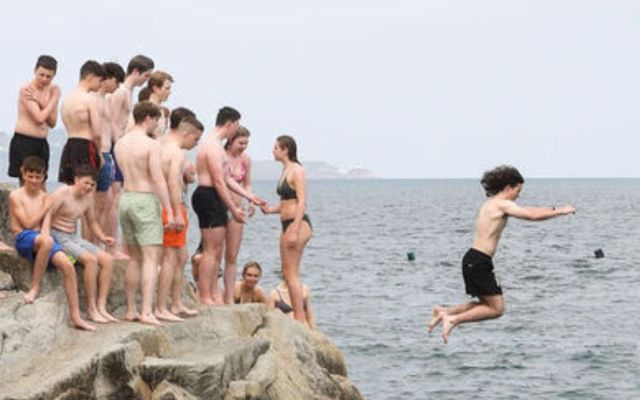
(227, 352)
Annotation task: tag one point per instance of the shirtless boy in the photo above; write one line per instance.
(139, 158)
(211, 200)
(183, 137)
(502, 186)
(69, 203)
(81, 116)
(37, 112)
(114, 75)
(27, 207)
(138, 72)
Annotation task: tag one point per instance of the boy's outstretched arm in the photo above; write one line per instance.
(511, 209)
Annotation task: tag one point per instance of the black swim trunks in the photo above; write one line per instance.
(77, 152)
(209, 207)
(23, 146)
(477, 271)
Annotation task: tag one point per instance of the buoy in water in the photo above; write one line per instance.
(599, 253)
(411, 256)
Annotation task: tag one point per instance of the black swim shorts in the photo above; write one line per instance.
(77, 152)
(23, 146)
(477, 271)
(209, 207)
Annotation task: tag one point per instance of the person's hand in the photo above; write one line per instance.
(265, 209)
(179, 223)
(568, 209)
(256, 200)
(171, 222)
(238, 215)
(32, 95)
(109, 241)
(252, 210)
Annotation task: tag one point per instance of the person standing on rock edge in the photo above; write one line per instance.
(140, 214)
(296, 225)
(27, 208)
(502, 186)
(212, 199)
(138, 72)
(68, 204)
(183, 135)
(37, 112)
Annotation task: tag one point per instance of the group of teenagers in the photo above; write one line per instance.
(125, 165)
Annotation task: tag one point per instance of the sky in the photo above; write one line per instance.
(407, 89)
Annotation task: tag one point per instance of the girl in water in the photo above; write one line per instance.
(279, 298)
(248, 290)
(296, 225)
(238, 168)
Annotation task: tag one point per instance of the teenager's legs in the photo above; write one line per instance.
(291, 255)
(105, 261)
(90, 263)
(209, 264)
(70, 285)
(42, 246)
(150, 257)
(176, 289)
(489, 307)
(170, 256)
(231, 248)
(132, 281)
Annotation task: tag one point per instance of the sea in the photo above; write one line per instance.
(571, 329)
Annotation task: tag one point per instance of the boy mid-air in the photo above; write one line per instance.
(502, 186)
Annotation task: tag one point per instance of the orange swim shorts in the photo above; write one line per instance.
(175, 238)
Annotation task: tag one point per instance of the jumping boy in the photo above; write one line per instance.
(27, 207)
(502, 186)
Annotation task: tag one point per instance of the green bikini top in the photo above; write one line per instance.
(285, 191)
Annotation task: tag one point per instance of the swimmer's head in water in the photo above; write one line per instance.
(499, 178)
(251, 273)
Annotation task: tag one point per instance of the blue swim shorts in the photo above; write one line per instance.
(25, 243)
(106, 174)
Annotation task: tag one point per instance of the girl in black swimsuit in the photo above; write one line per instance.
(296, 225)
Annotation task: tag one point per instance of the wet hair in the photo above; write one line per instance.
(178, 114)
(241, 132)
(495, 180)
(287, 142)
(92, 67)
(141, 64)
(144, 94)
(85, 170)
(251, 264)
(193, 121)
(33, 164)
(145, 109)
(113, 70)
(47, 62)
(226, 114)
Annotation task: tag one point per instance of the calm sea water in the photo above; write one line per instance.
(572, 324)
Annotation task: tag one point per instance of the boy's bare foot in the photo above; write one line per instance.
(96, 317)
(81, 324)
(208, 301)
(447, 327)
(149, 319)
(30, 297)
(107, 316)
(132, 316)
(438, 313)
(167, 316)
(181, 309)
(120, 256)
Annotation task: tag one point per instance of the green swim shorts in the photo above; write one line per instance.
(140, 219)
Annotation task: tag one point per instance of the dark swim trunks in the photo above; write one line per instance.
(77, 152)
(23, 146)
(118, 173)
(477, 271)
(209, 207)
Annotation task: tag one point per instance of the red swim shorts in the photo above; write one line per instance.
(173, 238)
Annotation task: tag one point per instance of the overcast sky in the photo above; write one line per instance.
(409, 89)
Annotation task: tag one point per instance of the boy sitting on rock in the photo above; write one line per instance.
(27, 207)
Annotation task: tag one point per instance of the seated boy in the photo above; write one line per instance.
(27, 207)
(68, 204)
